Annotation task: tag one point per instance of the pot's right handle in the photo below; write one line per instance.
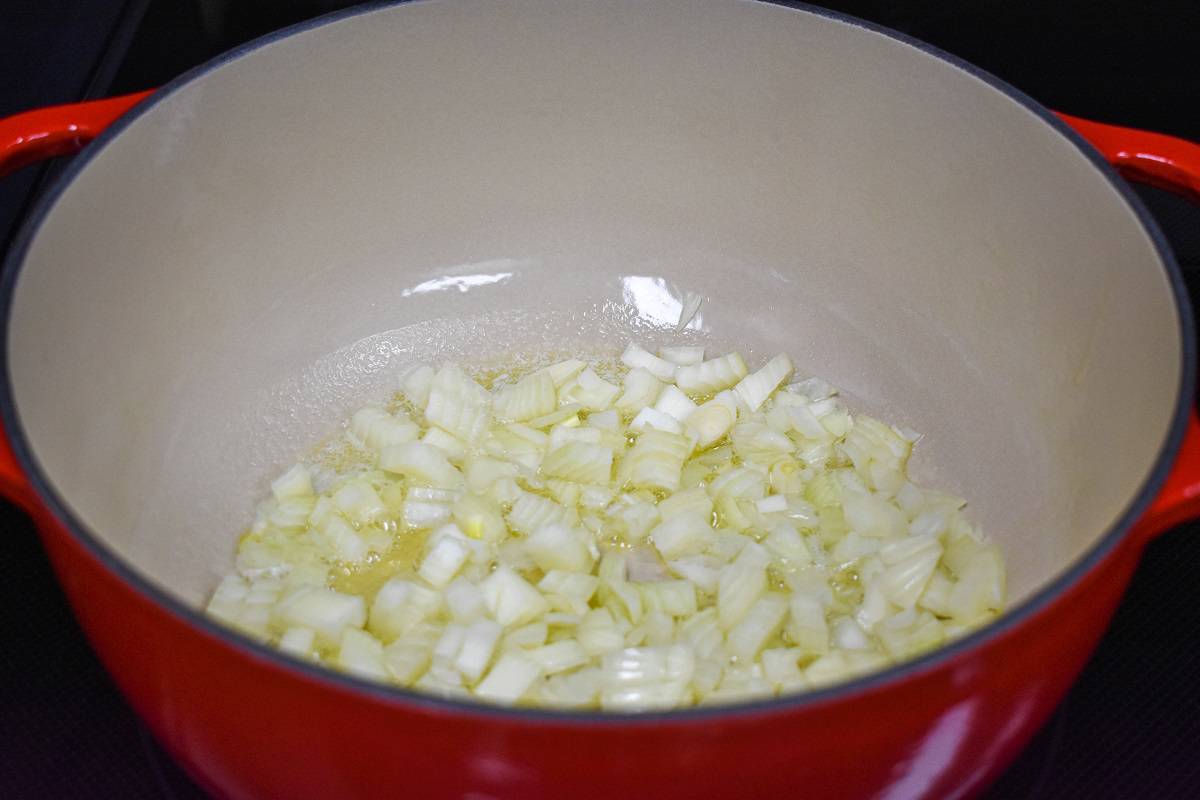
(1162, 161)
(1171, 164)
(36, 135)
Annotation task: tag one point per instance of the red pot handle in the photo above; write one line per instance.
(27, 138)
(1160, 160)
(1171, 164)
(36, 135)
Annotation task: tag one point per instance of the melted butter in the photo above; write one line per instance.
(847, 590)
(402, 560)
(341, 456)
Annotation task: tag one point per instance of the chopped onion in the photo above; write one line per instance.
(635, 357)
(682, 356)
(659, 533)
(711, 376)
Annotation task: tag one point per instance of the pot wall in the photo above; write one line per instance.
(247, 728)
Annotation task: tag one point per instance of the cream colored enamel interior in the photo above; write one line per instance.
(262, 252)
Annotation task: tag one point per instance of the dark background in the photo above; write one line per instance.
(1130, 728)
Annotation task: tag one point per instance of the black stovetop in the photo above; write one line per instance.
(1131, 726)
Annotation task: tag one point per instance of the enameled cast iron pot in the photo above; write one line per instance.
(259, 247)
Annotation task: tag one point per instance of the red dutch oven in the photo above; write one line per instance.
(249, 252)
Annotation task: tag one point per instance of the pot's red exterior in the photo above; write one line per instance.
(246, 728)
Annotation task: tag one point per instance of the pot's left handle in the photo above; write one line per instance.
(36, 135)
(33, 136)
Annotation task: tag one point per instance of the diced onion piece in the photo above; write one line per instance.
(325, 611)
(292, 512)
(675, 403)
(511, 677)
(479, 643)
(682, 355)
(702, 570)
(710, 422)
(423, 513)
(849, 635)
(228, 598)
(532, 635)
(344, 542)
(510, 599)
(296, 482)
(298, 641)
(417, 384)
(756, 443)
(598, 632)
(909, 564)
(563, 371)
(813, 389)
(375, 429)
(635, 357)
(579, 462)
(786, 544)
(530, 512)
(564, 413)
(980, 587)
(458, 404)
(742, 583)
(409, 657)
(634, 520)
(805, 423)
(641, 390)
(362, 654)
(646, 677)
(578, 689)
(533, 396)
(694, 500)
(454, 448)
(464, 600)
(556, 546)
(443, 562)
(745, 481)
(755, 388)
(359, 501)
(591, 391)
(568, 590)
(807, 626)
(676, 598)
(609, 420)
(564, 435)
(681, 535)
(479, 517)
(656, 460)
(559, 656)
(482, 473)
(422, 463)
(399, 607)
(781, 667)
(653, 418)
(774, 504)
(709, 377)
(760, 623)
(870, 515)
